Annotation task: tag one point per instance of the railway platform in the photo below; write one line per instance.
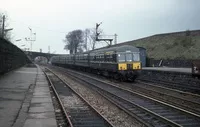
(25, 99)
(176, 78)
(169, 69)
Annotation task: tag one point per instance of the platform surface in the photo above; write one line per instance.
(25, 99)
(181, 70)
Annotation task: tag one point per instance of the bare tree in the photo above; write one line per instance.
(90, 37)
(74, 41)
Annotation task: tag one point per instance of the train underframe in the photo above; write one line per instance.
(125, 75)
(196, 76)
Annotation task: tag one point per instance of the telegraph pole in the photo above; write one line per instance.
(115, 38)
(3, 26)
(49, 49)
(86, 38)
(30, 37)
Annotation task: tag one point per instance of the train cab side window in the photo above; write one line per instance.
(136, 57)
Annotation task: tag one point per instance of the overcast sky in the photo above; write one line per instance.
(129, 19)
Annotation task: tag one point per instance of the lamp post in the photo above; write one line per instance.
(18, 40)
(31, 38)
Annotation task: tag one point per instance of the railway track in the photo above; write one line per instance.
(181, 99)
(192, 86)
(185, 100)
(78, 112)
(147, 110)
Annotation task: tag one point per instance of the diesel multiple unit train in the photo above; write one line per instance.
(121, 62)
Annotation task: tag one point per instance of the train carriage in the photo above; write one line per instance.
(70, 60)
(82, 59)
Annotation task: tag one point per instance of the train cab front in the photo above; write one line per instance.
(128, 65)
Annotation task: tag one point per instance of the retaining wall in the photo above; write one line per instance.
(11, 57)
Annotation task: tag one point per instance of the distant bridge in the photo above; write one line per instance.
(33, 55)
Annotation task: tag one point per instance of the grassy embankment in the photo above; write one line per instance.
(180, 45)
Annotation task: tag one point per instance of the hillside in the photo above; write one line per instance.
(179, 45)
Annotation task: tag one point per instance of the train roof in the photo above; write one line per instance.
(122, 48)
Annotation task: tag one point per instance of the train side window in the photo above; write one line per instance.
(95, 58)
(107, 59)
(99, 57)
(114, 57)
(82, 57)
(92, 58)
(110, 58)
